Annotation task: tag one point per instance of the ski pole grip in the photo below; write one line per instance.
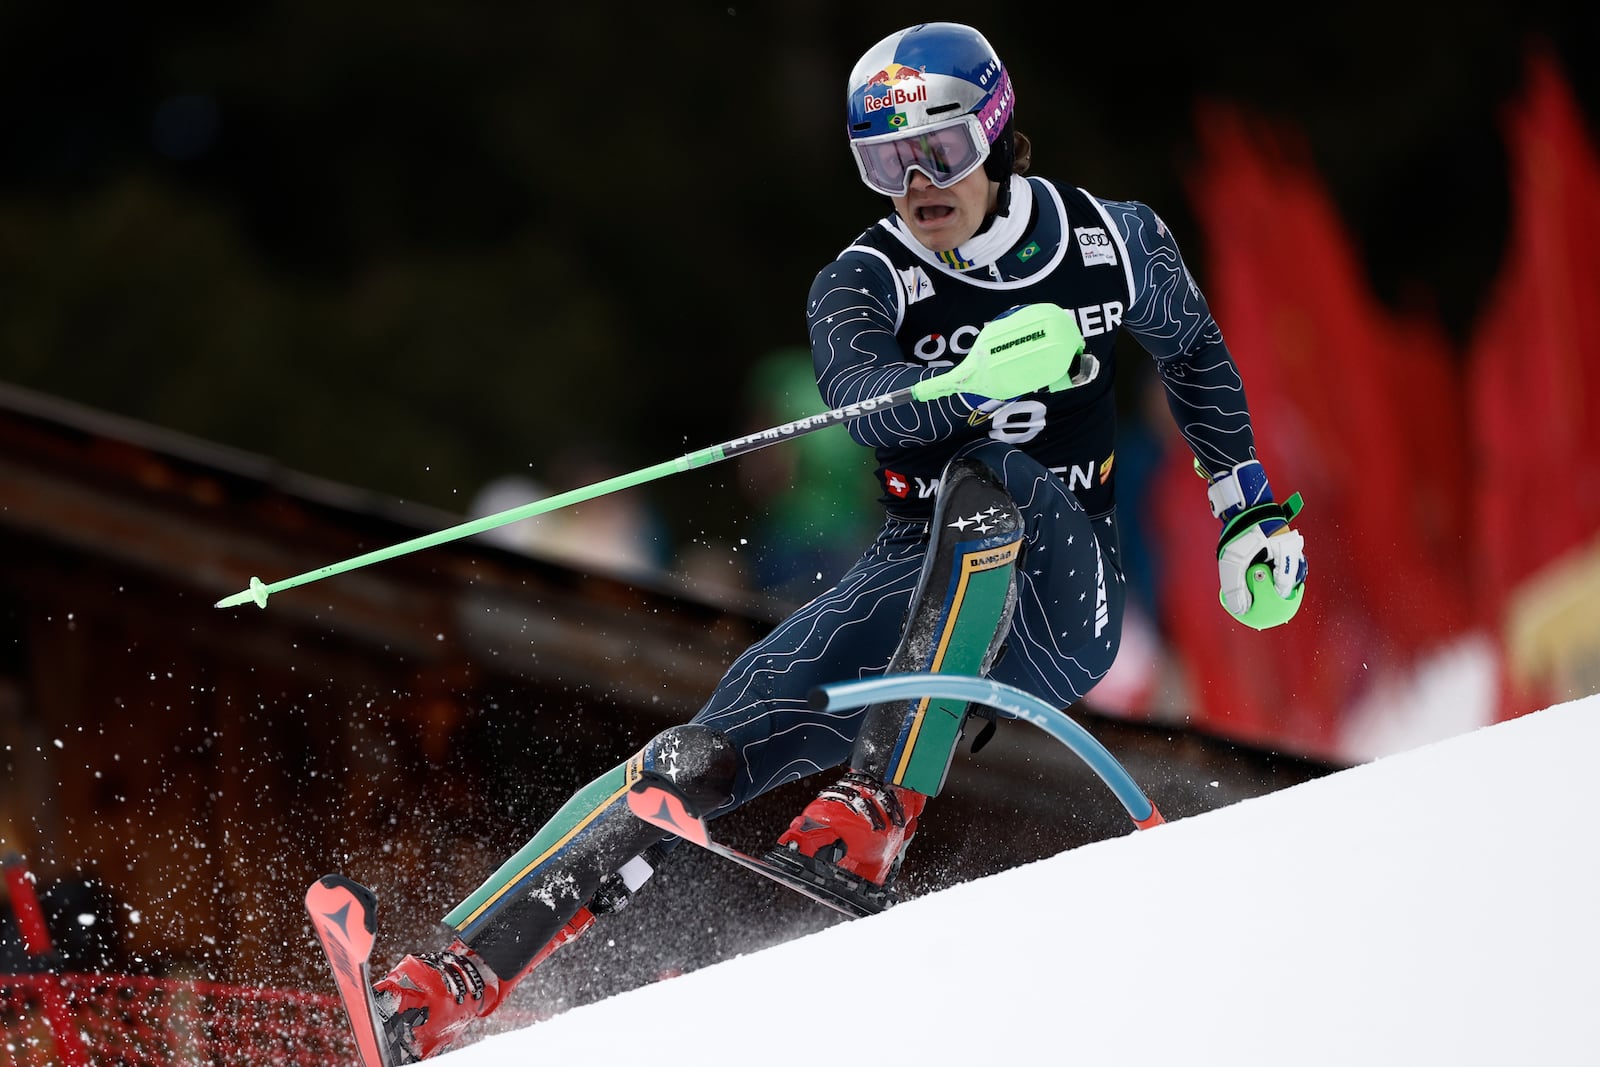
(1022, 351)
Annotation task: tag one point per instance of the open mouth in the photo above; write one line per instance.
(934, 212)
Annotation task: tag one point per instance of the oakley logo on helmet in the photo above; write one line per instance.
(998, 109)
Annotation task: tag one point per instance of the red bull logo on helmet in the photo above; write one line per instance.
(893, 74)
(894, 94)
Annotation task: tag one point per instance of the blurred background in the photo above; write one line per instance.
(418, 248)
(455, 257)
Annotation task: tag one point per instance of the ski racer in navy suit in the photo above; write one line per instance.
(969, 237)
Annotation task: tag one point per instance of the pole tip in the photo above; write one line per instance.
(257, 593)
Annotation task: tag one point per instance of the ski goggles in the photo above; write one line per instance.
(946, 153)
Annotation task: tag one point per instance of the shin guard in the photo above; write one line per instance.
(959, 618)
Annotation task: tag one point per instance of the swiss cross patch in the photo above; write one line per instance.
(896, 484)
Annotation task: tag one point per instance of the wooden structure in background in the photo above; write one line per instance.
(409, 723)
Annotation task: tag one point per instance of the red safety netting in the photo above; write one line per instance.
(49, 1020)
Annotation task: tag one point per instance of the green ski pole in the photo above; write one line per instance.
(1032, 348)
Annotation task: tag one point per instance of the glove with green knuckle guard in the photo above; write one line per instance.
(1261, 560)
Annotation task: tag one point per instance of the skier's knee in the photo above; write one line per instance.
(986, 456)
(997, 462)
(699, 762)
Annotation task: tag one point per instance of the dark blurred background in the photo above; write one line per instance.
(418, 248)
(444, 258)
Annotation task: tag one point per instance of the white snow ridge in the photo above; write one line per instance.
(1439, 906)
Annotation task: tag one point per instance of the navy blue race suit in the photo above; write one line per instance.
(887, 313)
(883, 315)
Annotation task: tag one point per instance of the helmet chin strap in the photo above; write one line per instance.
(1001, 162)
(1002, 204)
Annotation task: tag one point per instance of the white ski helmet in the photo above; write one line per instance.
(933, 98)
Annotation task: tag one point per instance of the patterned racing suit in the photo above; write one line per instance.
(887, 313)
(883, 315)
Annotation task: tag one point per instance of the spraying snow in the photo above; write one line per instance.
(1440, 905)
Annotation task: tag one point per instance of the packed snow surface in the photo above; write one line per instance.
(1437, 906)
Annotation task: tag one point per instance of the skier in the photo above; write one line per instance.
(1025, 481)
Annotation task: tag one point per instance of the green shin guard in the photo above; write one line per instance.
(960, 616)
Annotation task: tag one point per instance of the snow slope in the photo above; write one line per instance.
(1437, 906)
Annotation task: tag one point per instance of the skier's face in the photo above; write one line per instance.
(942, 219)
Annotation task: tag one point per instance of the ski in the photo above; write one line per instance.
(344, 915)
(655, 801)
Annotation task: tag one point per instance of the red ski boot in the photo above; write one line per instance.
(859, 825)
(428, 999)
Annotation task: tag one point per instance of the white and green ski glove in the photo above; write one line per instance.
(1261, 560)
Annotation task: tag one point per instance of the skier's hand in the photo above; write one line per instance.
(1030, 347)
(1261, 560)
(1084, 367)
(982, 406)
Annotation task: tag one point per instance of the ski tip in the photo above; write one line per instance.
(257, 593)
(332, 890)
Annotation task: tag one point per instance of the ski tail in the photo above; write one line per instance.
(658, 802)
(344, 915)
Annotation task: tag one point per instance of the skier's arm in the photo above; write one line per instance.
(1205, 393)
(851, 314)
(1170, 317)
